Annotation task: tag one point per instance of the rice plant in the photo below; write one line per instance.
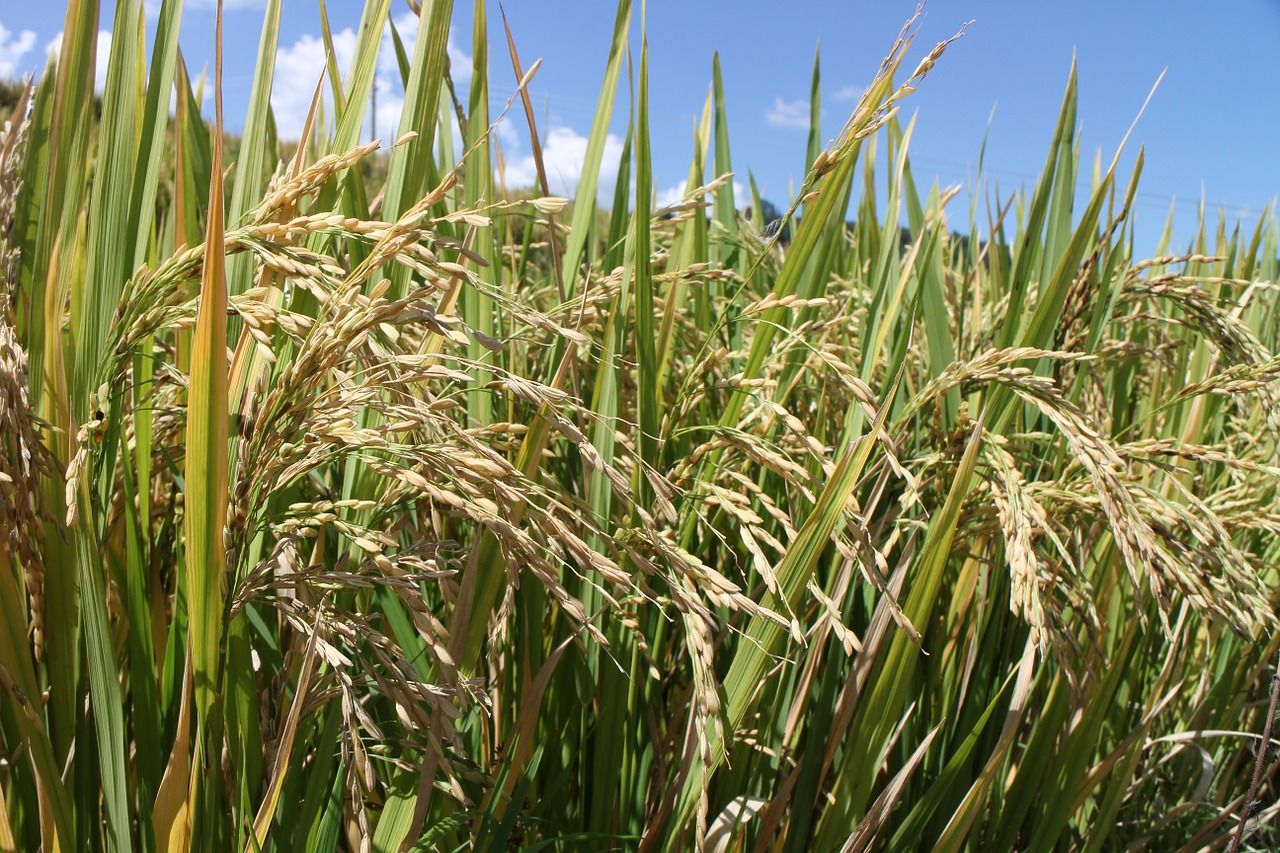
(352, 500)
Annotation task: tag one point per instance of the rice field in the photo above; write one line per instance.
(354, 501)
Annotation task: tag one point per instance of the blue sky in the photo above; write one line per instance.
(1209, 132)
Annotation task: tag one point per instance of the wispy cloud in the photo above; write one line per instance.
(12, 48)
(850, 92)
(792, 114)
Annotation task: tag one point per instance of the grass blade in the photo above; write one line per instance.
(206, 498)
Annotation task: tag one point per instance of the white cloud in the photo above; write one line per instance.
(671, 195)
(508, 136)
(675, 194)
(12, 49)
(298, 69)
(848, 93)
(407, 27)
(101, 56)
(563, 152)
(459, 63)
(390, 104)
(794, 114)
(299, 66)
